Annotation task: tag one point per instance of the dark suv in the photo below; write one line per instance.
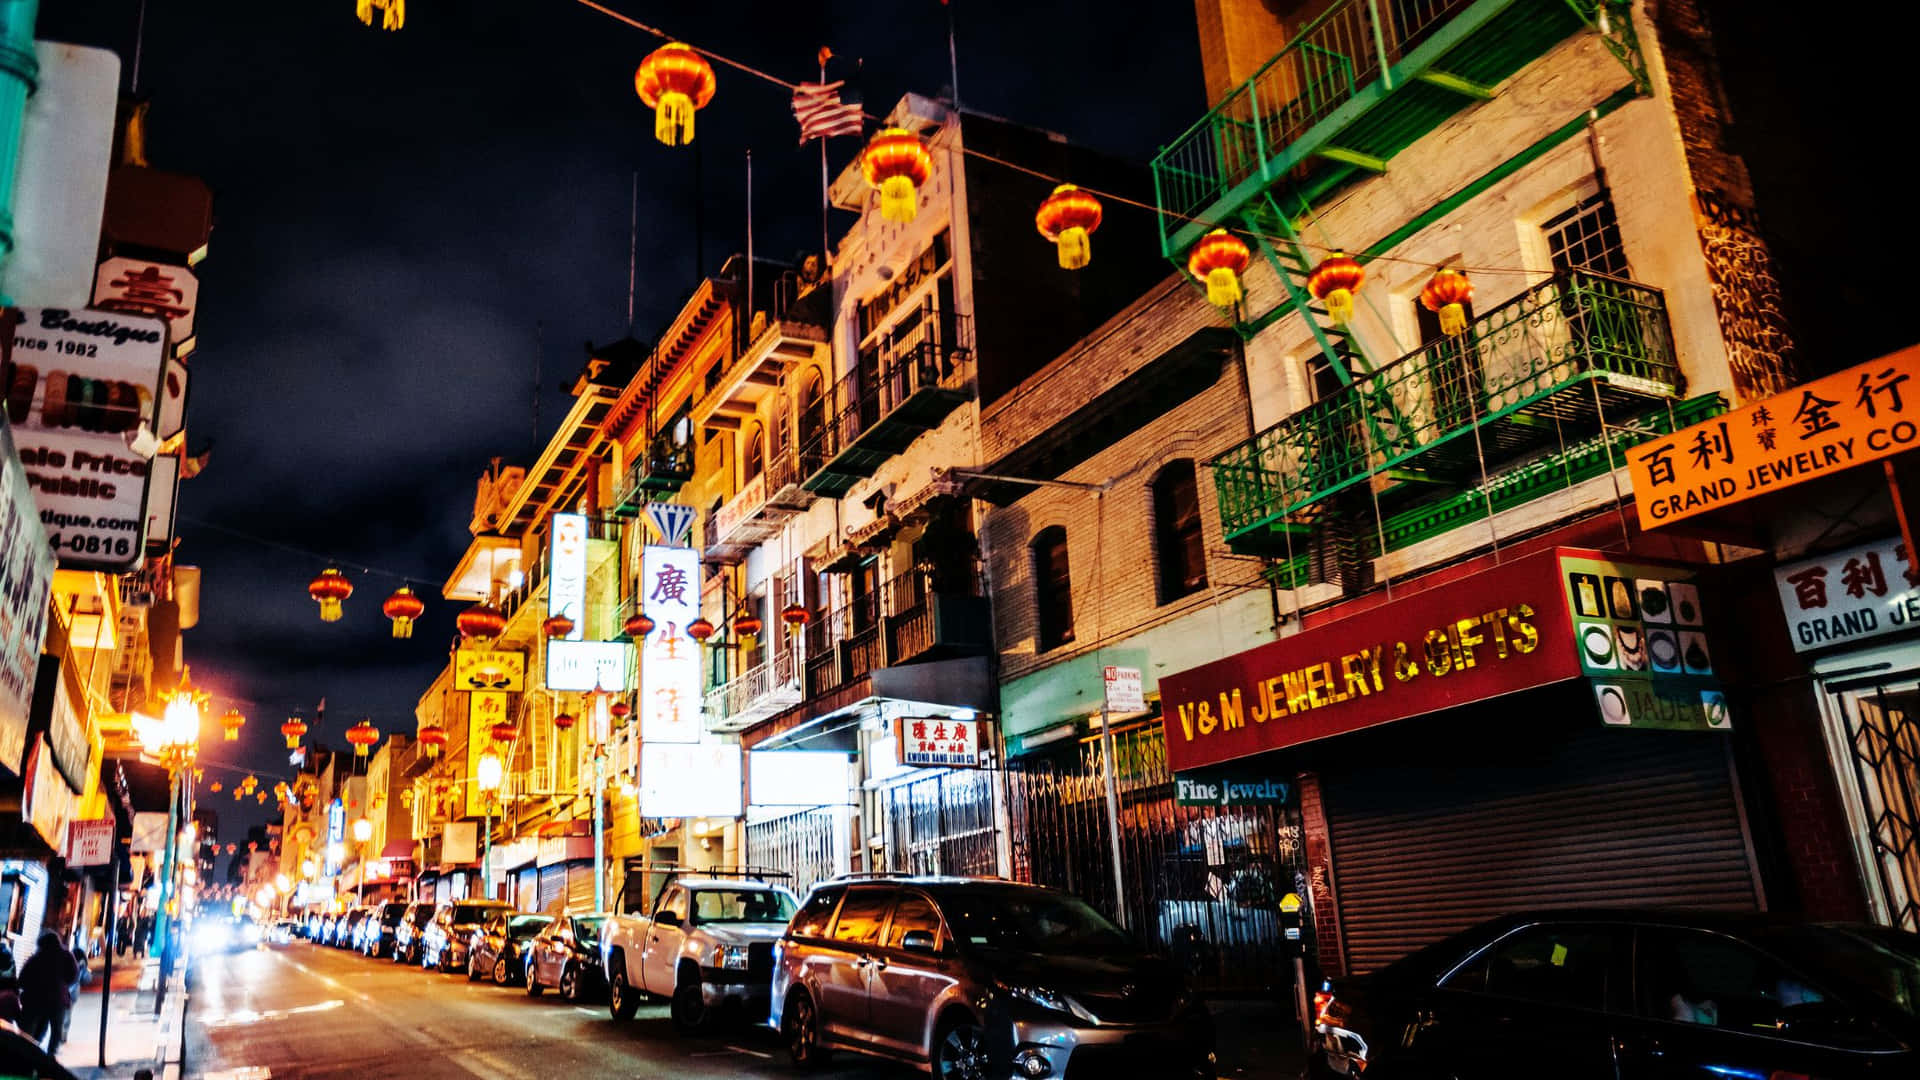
(978, 978)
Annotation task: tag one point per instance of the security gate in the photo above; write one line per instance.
(1202, 883)
(1883, 740)
(942, 824)
(810, 845)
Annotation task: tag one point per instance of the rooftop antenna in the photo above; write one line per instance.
(633, 241)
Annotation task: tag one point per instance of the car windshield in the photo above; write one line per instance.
(472, 913)
(741, 906)
(526, 926)
(1885, 963)
(390, 914)
(422, 916)
(586, 932)
(1029, 920)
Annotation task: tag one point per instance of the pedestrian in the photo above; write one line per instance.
(46, 991)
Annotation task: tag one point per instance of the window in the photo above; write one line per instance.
(1178, 542)
(813, 420)
(676, 902)
(1053, 588)
(862, 915)
(816, 913)
(1694, 977)
(1585, 236)
(913, 912)
(754, 460)
(1551, 965)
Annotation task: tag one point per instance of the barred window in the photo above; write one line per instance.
(1585, 236)
(1053, 588)
(1177, 538)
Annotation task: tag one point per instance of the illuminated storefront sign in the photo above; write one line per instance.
(1859, 415)
(689, 780)
(1642, 638)
(669, 659)
(581, 666)
(489, 669)
(1848, 596)
(485, 708)
(937, 742)
(567, 570)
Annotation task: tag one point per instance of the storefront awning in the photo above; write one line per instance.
(933, 688)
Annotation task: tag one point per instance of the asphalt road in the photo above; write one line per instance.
(307, 1011)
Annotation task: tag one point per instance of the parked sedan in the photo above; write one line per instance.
(1634, 995)
(406, 936)
(444, 941)
(381, 927)
(566, 956)
(499, 949)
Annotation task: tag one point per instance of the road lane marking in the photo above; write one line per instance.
(249, 1016)
(584, 1009)
(750, 1053)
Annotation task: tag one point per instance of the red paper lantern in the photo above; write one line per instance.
(294, 729)
(1219, 259)
(563, 721)
(481, 621)
(638, 625)
(746, 625)
(434, 738)
(362, 735)
(1334, 282)
(557, 626)
(620, 710)
(504, 731)
(895, 164)
(700, 629)
(330, 589)
(403, 607)
(1446, 295)
(231, 721)
(796, 616)
(1068, 217)
(675, 82)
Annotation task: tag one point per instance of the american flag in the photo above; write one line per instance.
(821, 113)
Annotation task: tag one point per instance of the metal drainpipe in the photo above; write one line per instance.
(19, 76)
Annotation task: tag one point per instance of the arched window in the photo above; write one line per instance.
(754, 458)
(1053, 588)
(813, 417)
(1177, 541)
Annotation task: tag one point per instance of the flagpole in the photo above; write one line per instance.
(826, 258)
(748, 307)
(953, 57)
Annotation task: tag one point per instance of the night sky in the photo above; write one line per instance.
(409, 225)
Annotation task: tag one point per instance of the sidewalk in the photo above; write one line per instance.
(137, 1037)
(1256, 1038)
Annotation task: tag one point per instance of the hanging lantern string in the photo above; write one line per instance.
(350, 564)
(1050, 179)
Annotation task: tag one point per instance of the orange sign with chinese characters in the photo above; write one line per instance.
(1857, 416)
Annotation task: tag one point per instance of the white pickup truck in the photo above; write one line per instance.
(705, 943)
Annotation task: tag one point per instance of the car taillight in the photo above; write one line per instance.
(1329, 1011)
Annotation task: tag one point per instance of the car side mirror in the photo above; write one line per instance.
(920, 941)
(667, 918)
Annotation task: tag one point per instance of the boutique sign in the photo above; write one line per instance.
(1496, 632)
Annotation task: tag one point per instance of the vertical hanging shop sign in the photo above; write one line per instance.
(485, 708)
(26, 578)
(567, 581)
(669, 659)
(1643, 643)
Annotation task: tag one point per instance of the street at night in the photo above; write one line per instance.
(1041, 540)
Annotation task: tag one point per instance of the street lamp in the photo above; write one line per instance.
(487, 774)
(600, 729)
(175, 740)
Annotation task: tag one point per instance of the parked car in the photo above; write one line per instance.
(283, 931)
(444, 941)
(1634, 994)
(707, 946)
(350, 928)
(329, 926)
(499, 949)
(378, 931)
(406, 935)
(566, 956)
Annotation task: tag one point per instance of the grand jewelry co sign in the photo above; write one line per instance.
(82, 388)
(1848, 596)
(1856, 416)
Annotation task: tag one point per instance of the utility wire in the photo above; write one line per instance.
(349, 564)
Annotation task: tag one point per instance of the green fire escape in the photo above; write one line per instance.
(1549, 374)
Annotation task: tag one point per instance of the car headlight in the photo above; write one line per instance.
(1050, 1000)
(733, 957)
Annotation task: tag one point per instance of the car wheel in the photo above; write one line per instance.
(689, 1007)
(500, 971)
(622, 1001)
(960, 1052)
(533, 983)
(801, 1027)
(570, 983)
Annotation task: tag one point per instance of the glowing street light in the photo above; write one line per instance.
(487, 774)
(362, 830)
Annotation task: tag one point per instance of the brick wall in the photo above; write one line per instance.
(1110, 539)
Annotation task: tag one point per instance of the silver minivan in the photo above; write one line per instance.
(980, 979)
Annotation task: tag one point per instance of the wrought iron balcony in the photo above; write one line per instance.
(1548, 365)
(914, 616)
(1352, 88)
(757, 693)
(879, 412)
(663, 470)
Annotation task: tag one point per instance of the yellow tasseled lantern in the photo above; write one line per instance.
(1446, 295)
(1219, 259)
(1068, 217)
(1334, 282)
(896, 163)
(675, 82)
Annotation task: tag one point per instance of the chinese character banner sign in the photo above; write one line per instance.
(669, 659)
(1857, 416)
(485, 708)
(934, 742)
(1862, 592)
(567, 572)
(1643, 642)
